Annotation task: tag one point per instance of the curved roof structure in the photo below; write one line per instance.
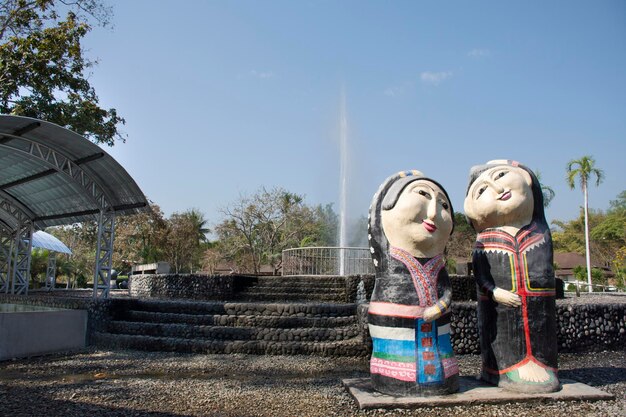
(54, 176)
(45, 240)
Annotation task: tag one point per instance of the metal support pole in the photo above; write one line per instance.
(51, 272)
(104, 254)
(6, 252)
(21, 261)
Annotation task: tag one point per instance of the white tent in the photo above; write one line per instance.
(45, 240)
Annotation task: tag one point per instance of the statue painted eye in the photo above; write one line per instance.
(481, 190)
(445, 205)
(423, 193)
(500, 174)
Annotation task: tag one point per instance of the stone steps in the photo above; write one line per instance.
(284, 296)
(237, 320)
(302, 289)
(297, 289)
(234, 327)
(352, 347)
(244, 308)
(301, 280)
(185, 331)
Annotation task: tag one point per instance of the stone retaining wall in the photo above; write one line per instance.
(226, 287)
(580, 327)
(583, 325)
(188, 286)
(98, 311)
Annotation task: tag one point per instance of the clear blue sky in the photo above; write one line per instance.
(223, 97)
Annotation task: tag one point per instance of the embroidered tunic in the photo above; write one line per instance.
(409, 355)
(513, 336)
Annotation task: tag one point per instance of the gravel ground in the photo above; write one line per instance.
(134, 383)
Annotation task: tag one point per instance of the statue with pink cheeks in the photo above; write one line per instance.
(512, 261)
(411, 219)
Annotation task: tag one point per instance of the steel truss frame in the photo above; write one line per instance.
(20, 270)
(60, 163)
(104, 254)
(51, 271)
(6, 256)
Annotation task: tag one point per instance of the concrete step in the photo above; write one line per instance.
(303, 279)
(273, 309)
(296, 289)
(186, 331)
(353, 347)
(283, 297)
(237, 320)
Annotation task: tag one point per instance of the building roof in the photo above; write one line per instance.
(569, 260)
(54, 176)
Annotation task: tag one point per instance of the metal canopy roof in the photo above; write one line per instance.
(55, 177)
(45, 240)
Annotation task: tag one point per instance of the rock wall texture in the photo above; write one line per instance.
(587, 325)
(584, 324)
(187, 286)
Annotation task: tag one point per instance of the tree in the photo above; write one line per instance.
(199, 224)
(43, 68)
(139, 238)
(258, 228)
(597, 275)
(328, 230)
(583, 169)
(81, 239)
(462, 240)
(183, 244)
(546, 190)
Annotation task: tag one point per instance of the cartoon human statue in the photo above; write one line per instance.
(512, 262)
(411, 220)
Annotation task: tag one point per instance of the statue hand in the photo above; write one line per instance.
(506, 297)
(431, 313)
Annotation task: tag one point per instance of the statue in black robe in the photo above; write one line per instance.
(411, 219)
(512, 262)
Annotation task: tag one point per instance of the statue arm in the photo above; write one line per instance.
(443, 303)
(486, 283)
(484, 280)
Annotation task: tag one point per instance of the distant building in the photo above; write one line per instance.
(567, 261)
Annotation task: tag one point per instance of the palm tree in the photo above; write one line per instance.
(546, 190)
(199, 224)
(583, 169)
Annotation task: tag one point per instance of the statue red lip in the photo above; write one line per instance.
(505, 196)
(430, 227)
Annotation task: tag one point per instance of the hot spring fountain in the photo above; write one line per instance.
(336, 260)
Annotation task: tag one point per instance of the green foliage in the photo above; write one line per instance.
(462, 240)
(258, 228)
(597, 275)
(43, 69)
(38, 265)
(139, 238)
(185, 234)
(81, 239)
(583, 169)
(81, 281)
(607, 236)
(357, 233)
(546, 190)
(451, 266)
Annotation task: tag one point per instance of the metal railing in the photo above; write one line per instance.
(327, 261)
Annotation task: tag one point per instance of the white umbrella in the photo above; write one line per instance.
(45, 240)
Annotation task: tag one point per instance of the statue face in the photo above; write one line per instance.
(500, 196)
(421, 221)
